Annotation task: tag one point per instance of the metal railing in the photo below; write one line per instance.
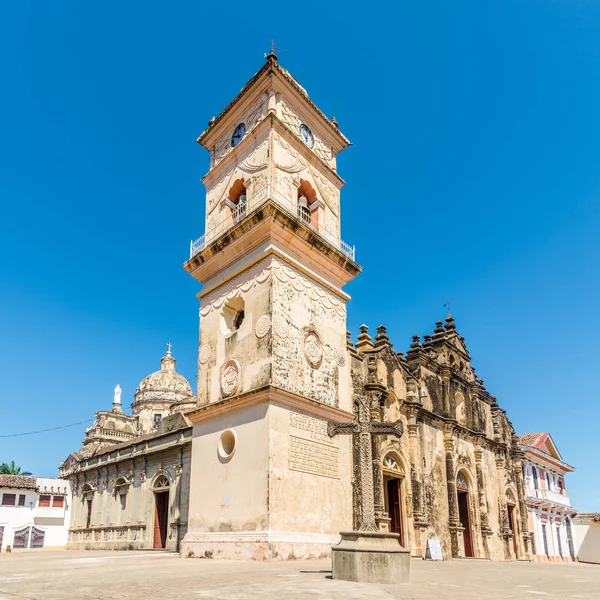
(260, 197)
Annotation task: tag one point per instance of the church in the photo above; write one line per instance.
(267, 460)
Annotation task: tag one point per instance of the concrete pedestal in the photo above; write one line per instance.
(370, 557)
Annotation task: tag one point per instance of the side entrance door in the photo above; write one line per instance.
(161, 519)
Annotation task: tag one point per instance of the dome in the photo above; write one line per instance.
(165, 385)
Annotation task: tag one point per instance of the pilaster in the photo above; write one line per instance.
(486, 531)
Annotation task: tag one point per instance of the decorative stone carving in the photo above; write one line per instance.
(461, 481)
(262, 327)
(230, 377)
(280, 327)
(390, 463)
(204, 354)
(339, 357)
(259, 274)
(312, 346)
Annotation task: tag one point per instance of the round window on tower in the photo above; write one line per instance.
(238, 134)
(239, 319)
(232, 316)
(306, 135)
(227, 444)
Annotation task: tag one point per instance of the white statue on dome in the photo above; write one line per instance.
(117, 400)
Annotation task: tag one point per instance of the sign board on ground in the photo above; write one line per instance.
(434, 550)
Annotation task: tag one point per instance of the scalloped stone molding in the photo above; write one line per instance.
(260, 273)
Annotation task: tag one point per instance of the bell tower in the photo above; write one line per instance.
(272, 357)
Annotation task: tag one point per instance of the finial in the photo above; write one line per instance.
(416, 342)
(364, 339)
(364, 336)
(334, 122)
(117, 397)
(450, 325)
(169, 345)
(439, 327)
(212, 121)
(426, 339)
(382, 337)
(349, 343)
(272, 56)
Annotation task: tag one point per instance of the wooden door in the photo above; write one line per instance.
(394, 498)
(465, 521)
(161, 519)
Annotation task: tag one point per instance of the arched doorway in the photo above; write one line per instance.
(464, 512)
(161, 511)
(87, 498)
(511, 505)
(393, 478)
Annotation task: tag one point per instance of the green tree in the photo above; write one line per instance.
(12, 469)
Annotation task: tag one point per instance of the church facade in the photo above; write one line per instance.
(130, 478)
(256, 464)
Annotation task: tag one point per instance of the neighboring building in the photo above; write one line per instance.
(586, 535)
(550, 511)
(34, 512)
(131, 477)
(275, 365)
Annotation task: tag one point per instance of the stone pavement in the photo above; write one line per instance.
(147, 575)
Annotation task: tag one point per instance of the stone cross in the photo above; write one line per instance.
(366, 429)
(169, 348)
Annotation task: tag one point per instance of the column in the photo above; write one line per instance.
(454, 520)
(382, 520)
(483, 505)
(518, 476)
(446, 392)
(419, 515)
(505, 531)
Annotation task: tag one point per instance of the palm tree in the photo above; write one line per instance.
(12, 469)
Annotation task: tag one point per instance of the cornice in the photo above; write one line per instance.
(269, 225)
(258, 84)
(269, 394)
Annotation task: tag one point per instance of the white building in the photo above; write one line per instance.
(549, 508)
(586, 534)
(34, 512)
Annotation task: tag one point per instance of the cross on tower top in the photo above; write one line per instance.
(169, 348)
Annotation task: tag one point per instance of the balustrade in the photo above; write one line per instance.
(253, 201)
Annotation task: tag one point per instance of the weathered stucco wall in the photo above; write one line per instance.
(310, 475)
(220, 342)
(309, 345)
(126, 520)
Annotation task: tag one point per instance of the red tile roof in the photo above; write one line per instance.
(535, 440)
(17, 481)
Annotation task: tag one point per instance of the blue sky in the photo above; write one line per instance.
(473, 177)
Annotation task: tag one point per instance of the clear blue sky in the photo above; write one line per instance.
(474, 177)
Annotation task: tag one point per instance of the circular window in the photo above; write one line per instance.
(239, 319)
(238, 134)
(306, 135)
(227, 444)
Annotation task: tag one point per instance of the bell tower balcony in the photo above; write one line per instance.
(268, 220)
(260, 197)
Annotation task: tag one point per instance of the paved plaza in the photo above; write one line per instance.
(148, 575)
